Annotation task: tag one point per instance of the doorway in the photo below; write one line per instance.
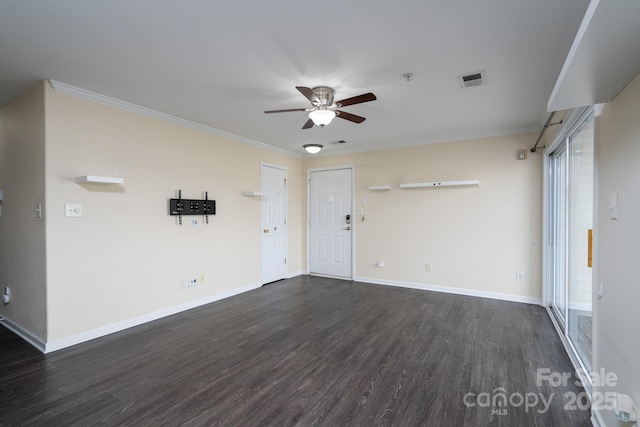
(571, 201)
(330, 215)
(273, 223)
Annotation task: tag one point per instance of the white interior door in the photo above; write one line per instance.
(330, 222)
(273, 223)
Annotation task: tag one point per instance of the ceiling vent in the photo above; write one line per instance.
(474, 79)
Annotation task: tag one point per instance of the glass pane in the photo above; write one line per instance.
(580, 218)
(559, 236)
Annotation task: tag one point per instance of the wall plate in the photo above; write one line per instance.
(72, 210)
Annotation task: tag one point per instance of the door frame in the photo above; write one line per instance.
(571, 123)
(286, 212)
(352, 169)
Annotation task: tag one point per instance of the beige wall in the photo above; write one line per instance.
(616, 315)
(475, 238)
(22, 233)
(125, 257)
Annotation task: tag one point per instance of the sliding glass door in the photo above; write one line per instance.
(558, 235)
(580, 226)
(571, 172)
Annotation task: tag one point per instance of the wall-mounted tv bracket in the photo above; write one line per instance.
(182, 206)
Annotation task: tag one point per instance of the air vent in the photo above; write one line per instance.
(474, 79)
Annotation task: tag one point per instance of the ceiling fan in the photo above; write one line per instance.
(324, 109)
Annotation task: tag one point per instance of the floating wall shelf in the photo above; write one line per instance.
(254, 193)
(440, 184)
(94, 179)
(379, 187)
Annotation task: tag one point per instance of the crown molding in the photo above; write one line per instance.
(428, 140)
(148, 112)
(137, 109)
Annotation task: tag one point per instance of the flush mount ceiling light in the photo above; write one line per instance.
(322, 117)
(312, 148)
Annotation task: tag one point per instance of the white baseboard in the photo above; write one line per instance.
(145, 318)
(451, 290)
(29, 337)
(48, 347)
(295, 274)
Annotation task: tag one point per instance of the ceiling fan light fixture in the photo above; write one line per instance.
(312, 148)
(322, 117)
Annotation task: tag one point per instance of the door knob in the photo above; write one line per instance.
(265, 231)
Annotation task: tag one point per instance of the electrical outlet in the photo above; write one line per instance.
(519, 276)
(201, 278)
(182, 284)
(193, 281)
(380, 263)
(428, 267)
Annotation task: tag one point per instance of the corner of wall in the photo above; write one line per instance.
(22, 222)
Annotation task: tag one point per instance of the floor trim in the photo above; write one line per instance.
(451, 290)
(48, 347)
(145, 318)
(29, 337)
(295, 274)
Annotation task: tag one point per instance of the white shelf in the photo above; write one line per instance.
(379, 187)
(94, 179)
(437, 184)
(254, 193)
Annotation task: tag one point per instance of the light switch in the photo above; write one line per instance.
(72, 210)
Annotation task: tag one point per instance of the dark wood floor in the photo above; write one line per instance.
(304, 351)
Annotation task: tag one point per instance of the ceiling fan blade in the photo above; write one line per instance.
(308, 125)
(286, 111)
(365, 97)
(308, 93)
(350, 117)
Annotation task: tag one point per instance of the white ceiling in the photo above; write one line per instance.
(222, 63)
